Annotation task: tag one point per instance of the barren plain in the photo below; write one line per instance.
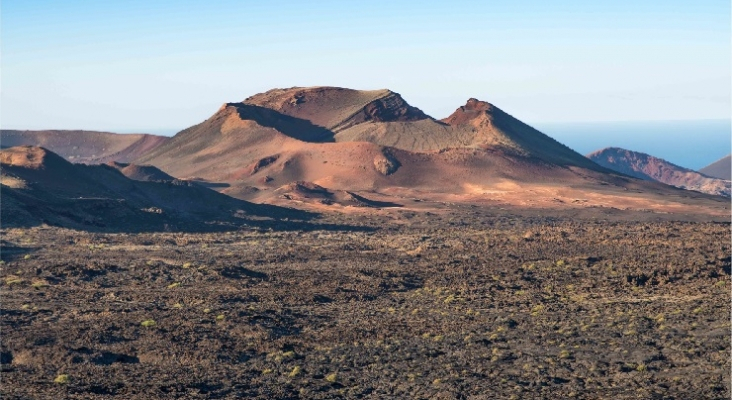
(462, 303)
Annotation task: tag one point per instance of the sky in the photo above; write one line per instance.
(161, 66)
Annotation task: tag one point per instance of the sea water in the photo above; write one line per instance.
(690, 144)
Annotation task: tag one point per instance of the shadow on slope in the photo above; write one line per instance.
(39, 187)
(298, 128)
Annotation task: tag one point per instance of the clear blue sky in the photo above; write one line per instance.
(164, 65)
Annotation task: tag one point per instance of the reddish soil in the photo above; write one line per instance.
(40, 187)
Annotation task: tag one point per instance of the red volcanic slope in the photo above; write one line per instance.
(644, 166)
(374, 142)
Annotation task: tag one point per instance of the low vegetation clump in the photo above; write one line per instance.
(295, 372)
(13, 280)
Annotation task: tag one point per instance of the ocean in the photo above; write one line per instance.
(690, 144)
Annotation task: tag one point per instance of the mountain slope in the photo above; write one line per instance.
(384, 118)
(644, 166)
(39, 186)
(88, 147)
(721, 168)
(492, 126)
(374, 145)
(247, 144)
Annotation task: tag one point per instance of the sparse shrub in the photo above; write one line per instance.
(148, 323)
(39, 284)
(173, 285)
(332, 378)
(62, 379)
(220, 317)
(13, 280)
(267, 371)
(27, 257)
(295, 372)
(537, 309)
(187, 265)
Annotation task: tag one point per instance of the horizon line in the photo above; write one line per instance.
(173, 131)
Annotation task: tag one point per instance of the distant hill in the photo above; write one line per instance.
(644, 166)
(346, 139)
(721, 168)
(88, 147)
(39, 186)
(327, 145)
(322, 147)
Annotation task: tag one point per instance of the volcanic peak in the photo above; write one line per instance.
(472, 109)
(337, 108)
